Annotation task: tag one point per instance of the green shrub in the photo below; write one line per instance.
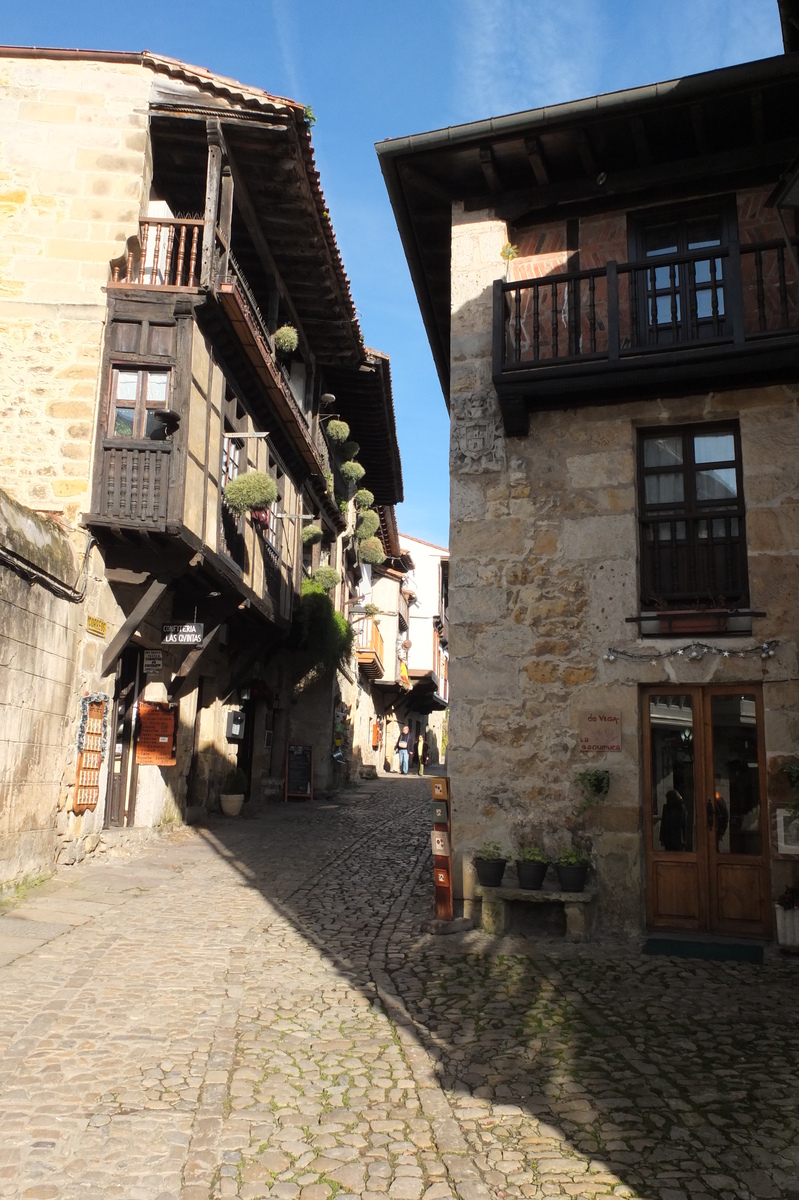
(353, 472)
(326, 578)
(251, 491)
(338, 432)
(531, 854)
(286, 339)
(571, 856)
(311, 534)
(371, 551)
(350, 450)
(368, 525)
(363, 498)
(325, 636)
(235, 783)
(491, 852)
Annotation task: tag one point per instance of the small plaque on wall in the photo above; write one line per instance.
(600, 731)
(439, 788)
(440, 842)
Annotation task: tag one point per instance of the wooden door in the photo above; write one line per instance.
(121, 800)
(706, 843)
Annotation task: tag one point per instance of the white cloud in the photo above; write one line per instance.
(283, 34)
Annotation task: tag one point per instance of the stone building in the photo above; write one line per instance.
(425, 705)
(174, 316)
(610, 292)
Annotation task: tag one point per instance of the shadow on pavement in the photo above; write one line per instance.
(678, 1077)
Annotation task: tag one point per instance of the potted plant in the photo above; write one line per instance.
(531, 867)
(338, 432)
(352, 472)
(311, 534)
(286, 340)
(594, 784)
(489, 863)
(371, 551)
(572, 866)
(232, 795)
(253, 490)
(787, 913)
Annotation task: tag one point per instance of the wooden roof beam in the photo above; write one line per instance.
(587, 158)
(698, 123)
(488, 167)
(758, 127)
(641, 142)
(535, 155)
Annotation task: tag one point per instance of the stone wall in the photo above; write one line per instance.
(543, 577)
(74, 151)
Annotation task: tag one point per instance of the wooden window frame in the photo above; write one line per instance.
(141, 405)
(689, 512)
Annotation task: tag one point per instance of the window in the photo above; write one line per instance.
(693, 543)
(681, 291)
(137, 397)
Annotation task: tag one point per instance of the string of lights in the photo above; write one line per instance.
(693, 651)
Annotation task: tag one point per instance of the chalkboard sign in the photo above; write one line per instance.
(299, 772)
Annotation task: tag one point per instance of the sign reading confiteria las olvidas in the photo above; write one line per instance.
(186, 633)
(600, 729)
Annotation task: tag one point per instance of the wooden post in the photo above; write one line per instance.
(442, 864)
(213, 181)
(613, 311)
(225, 219)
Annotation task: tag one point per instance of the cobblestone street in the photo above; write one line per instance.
(253, 1010)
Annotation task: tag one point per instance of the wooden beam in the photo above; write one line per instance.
(590, 164)
(423, 183)
(698, 123)
(489, 170)
(758, 128)
(191, 661)
(213, 181)
(142, 610)
(641, 142)
(535, 155)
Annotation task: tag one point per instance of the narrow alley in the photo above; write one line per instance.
(254, 1009)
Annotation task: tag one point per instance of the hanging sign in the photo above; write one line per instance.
(155, 745)
(600, 730)
(184, 633)
(153, 661)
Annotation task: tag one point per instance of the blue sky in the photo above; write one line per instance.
(379, 69)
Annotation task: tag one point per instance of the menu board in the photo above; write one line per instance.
(155, 745)
(299, 772)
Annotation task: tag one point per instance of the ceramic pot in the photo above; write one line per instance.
(531, 874)
(490, 871)
(231, 803)
(572, 877)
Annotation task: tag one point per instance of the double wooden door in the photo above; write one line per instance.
(705, 822)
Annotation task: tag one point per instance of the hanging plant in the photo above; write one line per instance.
(253, 490)
(368, 524)
(286, 339)
(353, 472)
(326, 578)
(311, 534)
(371, 551)
(363, 498)
(594, 784)
(350, 450)
(338, 432)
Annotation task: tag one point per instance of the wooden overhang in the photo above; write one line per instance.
(702, 135)
(364, 399)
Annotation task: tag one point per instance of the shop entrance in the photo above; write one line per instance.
(121, 800)
(705, 828)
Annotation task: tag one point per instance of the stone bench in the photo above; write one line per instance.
(578, 907)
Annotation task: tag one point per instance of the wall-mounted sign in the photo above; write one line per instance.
(440, 812)
(439, 788)
(155, 745)
(234, 729)
(91, 748)
(440, 842)
(97, 626)
(600, 730)
(153, 661)
(441, 879)
(184, 633)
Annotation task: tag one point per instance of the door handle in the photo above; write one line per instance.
(709, 810)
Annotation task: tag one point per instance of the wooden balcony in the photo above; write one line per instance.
(133, 489)
(369, 647)
(714, 317)
(167, 254)
(402, 612)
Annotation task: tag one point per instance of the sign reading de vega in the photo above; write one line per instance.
(186, 633)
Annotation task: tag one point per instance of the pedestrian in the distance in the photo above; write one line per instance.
(420, 743)
(403, 747)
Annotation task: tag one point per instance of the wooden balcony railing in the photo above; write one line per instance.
(369, 647)
(134, 483)
(717, 301)
(168, 255)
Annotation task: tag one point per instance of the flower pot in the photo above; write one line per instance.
(572, 877)
(490, 871)
(231, 803)
(531, 874)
